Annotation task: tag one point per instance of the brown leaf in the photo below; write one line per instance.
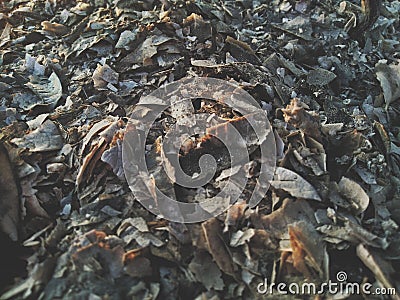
(354, 193)
(137, 266)
(381, 268)
(295, 114)
(56, 28)
(104, 75)
(309, 251)
(9, 200)
(217, 247)
(276, 223)
(96, 246)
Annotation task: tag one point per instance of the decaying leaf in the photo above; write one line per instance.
(206, 271)
(277, 222)
(9, 199)
(309, 251)
(320, 77)
(217, 247)
(48, 89)
(353, 233)
(93, 248)
(294, 184)
(136, 265)
(98, 59)
(354, 193)
(45, 138)
(382, 270)
(104, 75)
(389, 78)
(295, 114)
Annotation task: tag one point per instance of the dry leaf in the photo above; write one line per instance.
(48, 89)
(309, 250)
(137, 266)
(241, 237)
(354, 193)
(45, 138)
(217, 247)
(382, 269)
(56, 28)
(320, 77)
(294, 184)
(295, 114)
(353, 233)
(9, 200)
(104, 75)
(389, 77)
(276, 223)
(206, 271)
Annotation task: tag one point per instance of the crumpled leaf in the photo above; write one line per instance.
(294, 184)
(354, 193)
(241, 237)
(276, 223)
(9, 200)
(105, 131)
(45, 138)
(206, 271)
(48, 89)
(136, 265)
(96, 246)
(104, 75)
(295, 113)
(389, 78)
(309, 251)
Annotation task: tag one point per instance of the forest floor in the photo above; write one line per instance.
(73, 76)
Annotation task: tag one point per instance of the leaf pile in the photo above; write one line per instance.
(71, 73)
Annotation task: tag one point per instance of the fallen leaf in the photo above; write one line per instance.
(45, 138)
(217, 247)
(48, 89)
(309, 250)
(56, 28)
(354, 193)
(206, 271)
(9, 200)
(382, 269)
(294, 184)
(104, 75)
(389, 78)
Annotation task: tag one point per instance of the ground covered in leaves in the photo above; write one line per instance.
(71, 72)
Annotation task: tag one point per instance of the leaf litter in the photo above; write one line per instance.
(327, 73)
